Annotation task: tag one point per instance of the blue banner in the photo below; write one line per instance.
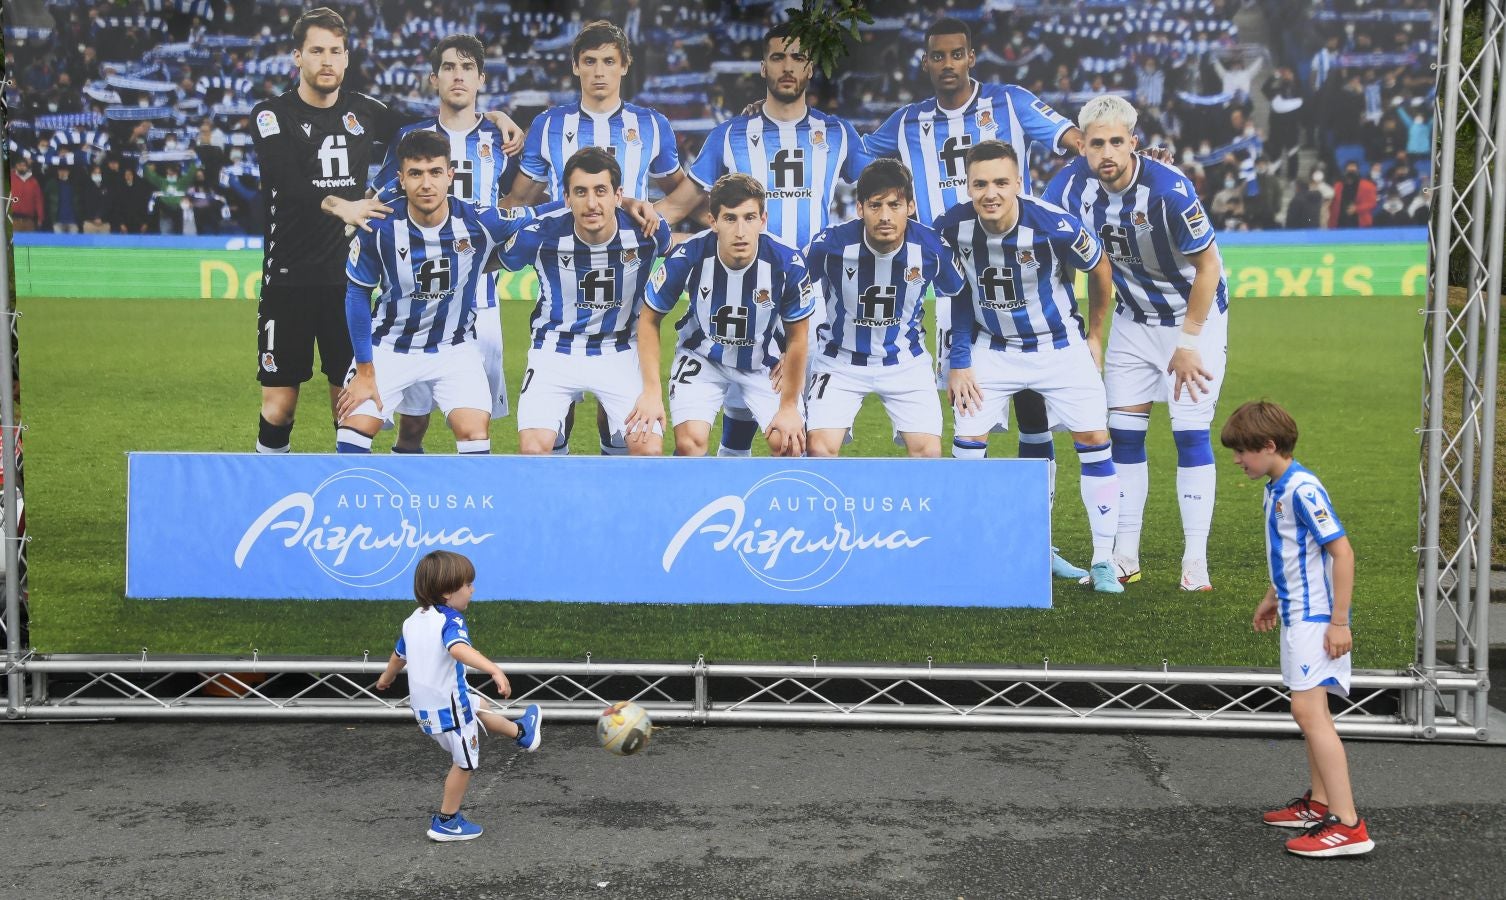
(817, 532)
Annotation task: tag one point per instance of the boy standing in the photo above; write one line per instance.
(1312, 577)
(435, 647)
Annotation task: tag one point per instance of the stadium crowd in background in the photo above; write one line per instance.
(1286, 113)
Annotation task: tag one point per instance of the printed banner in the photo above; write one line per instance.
(1344, 263)
(815, 532)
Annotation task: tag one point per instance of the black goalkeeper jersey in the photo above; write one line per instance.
(306, 154)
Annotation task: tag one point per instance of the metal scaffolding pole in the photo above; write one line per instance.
(15, 677)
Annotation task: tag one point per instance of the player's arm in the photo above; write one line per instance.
(664, 287)
(525, 192)
(1042, 123)
(512, 135)
(961, 387)
(688, 201)
(1186, 364)
(362, 273)
(1100, 301)
(1339, 639)
(464, 653)
(532, 188)
(1265, 617)
(885, 140)
(395, 665)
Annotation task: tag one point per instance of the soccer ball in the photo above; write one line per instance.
(623, 728)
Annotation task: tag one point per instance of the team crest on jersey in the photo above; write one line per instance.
(818, 138)
(484, 150)
(462, 246)
(268, 362)
(1196, 219)
(762, 297)
(1280, 513)
(630, 136)
(629, 258)
(986, 121)
(1026, 258)
(353, 125)
(1142, 221)
(912, 275)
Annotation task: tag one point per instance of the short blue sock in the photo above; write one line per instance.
(1037, 446)
(1194, 448)
(738, 434)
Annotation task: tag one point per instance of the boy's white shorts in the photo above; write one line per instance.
(837, 389)
(419, 401)
(1134, 367)
(1306, 665)
(463, 744)
(1066, 378)
(453, 378)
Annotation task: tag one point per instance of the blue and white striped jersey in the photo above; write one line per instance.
(589, 295)
(639, 137)
(1019, 284)
(1299, 522)
(436, 680)
(428, 276)
(735, 314)
(798, 164)
(483, 174)
(1148, 230)
(874, 304)
(932, 141)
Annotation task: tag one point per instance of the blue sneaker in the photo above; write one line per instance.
(529, 733)
(455, 828)
(1060, 568)
(1105, 578)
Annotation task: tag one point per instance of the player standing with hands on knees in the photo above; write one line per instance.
(434, 648)
(1312, 582)
(743, 283)
(1016, 327)
(1169, 340)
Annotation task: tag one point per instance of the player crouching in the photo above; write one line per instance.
(742, 283)
(427, 258)
(874, 272)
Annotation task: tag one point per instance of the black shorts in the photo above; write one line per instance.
(289, 319)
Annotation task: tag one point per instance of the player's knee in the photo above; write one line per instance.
(689, 444)
(536, 442)
(1127, 430)
(411, 430)
(653, 446)
(822, 445)
(1090, 438)
(923, 447)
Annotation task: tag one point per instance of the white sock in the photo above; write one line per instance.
(1128, 433)
(1195, 488)
(474, 448)
(724, 451)
(1100, 497)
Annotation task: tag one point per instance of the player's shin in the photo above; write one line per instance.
(273, 438)
(1127, 431)
(1100, 496)
(1196, 481)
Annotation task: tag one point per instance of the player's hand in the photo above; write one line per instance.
(647, 412)
(359, 213)
(786, 434)
(1159, 154)
(644, 213)
(512, 135)
(360, 389)
(753, 109)
(504, 687)
(1337, 640)
(1265, 618)
(1186, 369)
(776, 376)
(962, 390)
(383, 682)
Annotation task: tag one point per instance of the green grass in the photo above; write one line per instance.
(102, 377)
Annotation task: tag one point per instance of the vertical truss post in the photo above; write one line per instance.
(15, 677)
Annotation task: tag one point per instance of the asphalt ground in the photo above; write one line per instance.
(335, 810)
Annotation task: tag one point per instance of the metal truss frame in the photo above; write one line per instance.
(1441, 697)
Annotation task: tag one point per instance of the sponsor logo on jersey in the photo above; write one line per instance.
(1320, 515)
(762, 297)
(268, 362)
(1083, 244)
(1041, 107)
(912, 274)
(1026, 258)
(266, 123)
(657, 279)
(355, 250)
(462, 246)
(353, 125)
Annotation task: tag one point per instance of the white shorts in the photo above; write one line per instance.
(1306, 665)
(463, 744)
(837, 390)
(943, 341)
(1066, 378)
(554, 381)
(452, 377)
(1134, 366)
(703, 386)
(419, 401)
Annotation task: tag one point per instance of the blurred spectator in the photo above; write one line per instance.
(63, 201)
(1392, 211)
(1285, 132)
(171, 195)
(1308, 203)
(130, 200)
(1263, 196)
(1228, 205)
(93, 203)
(1353, 200)
(28, 211)
(1418, 117)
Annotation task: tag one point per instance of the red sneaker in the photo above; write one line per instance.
(1301, 812)
(1331, 837)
